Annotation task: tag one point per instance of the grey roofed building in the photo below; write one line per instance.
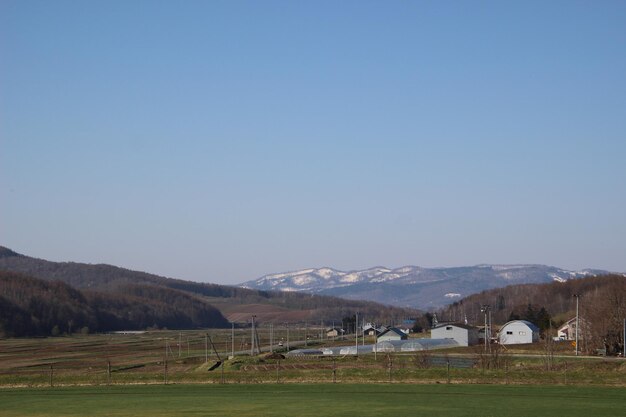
(392, 333)
(464, 334)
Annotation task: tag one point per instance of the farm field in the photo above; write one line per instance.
(172, 357)
(313, 400)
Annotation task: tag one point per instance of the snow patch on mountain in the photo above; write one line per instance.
(412, 286)
(557, 278)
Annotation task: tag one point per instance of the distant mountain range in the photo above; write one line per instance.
(413, 286)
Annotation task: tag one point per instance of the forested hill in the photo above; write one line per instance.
(602, 302)
(113, 283)
(109, 278)
(33, 307)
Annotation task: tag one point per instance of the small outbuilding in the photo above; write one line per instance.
(463, 334)
(518, 332)
(334, 332)
(370, 329)
(392, 333)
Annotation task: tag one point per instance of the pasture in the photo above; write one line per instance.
(313, 400)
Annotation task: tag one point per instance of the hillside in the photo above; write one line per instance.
(602, 304)
(412, 286)
(236, 304)
(33, 307)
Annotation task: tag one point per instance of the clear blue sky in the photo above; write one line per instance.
(219, 141)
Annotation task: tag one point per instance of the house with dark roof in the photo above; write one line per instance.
(392, 333)
(463, 334)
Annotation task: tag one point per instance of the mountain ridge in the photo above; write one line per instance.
(235, 303)
(410, 285)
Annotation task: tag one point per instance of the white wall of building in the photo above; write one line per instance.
(518, 332)
(464, 337)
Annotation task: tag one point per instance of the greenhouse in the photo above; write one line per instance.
(353, 350)
(305, 352)
(428, 344)
(389, 346)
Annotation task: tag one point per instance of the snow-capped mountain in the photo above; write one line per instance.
(412, 286)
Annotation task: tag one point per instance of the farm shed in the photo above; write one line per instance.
(518, 332)
(464, 334)
(334, 332)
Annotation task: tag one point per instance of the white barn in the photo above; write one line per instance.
(517, 332)
(464, 334)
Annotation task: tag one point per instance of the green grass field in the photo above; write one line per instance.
(315, 400)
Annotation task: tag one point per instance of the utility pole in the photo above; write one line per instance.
(490, 327)
(356, 334)
(232, 339)
(287, 337)
(577, 296)
(252, 338)
(271, 337)
(375, 343)
(485, 309)
(206, 347)
(363, 330)
(306, 342)
(165, 365)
